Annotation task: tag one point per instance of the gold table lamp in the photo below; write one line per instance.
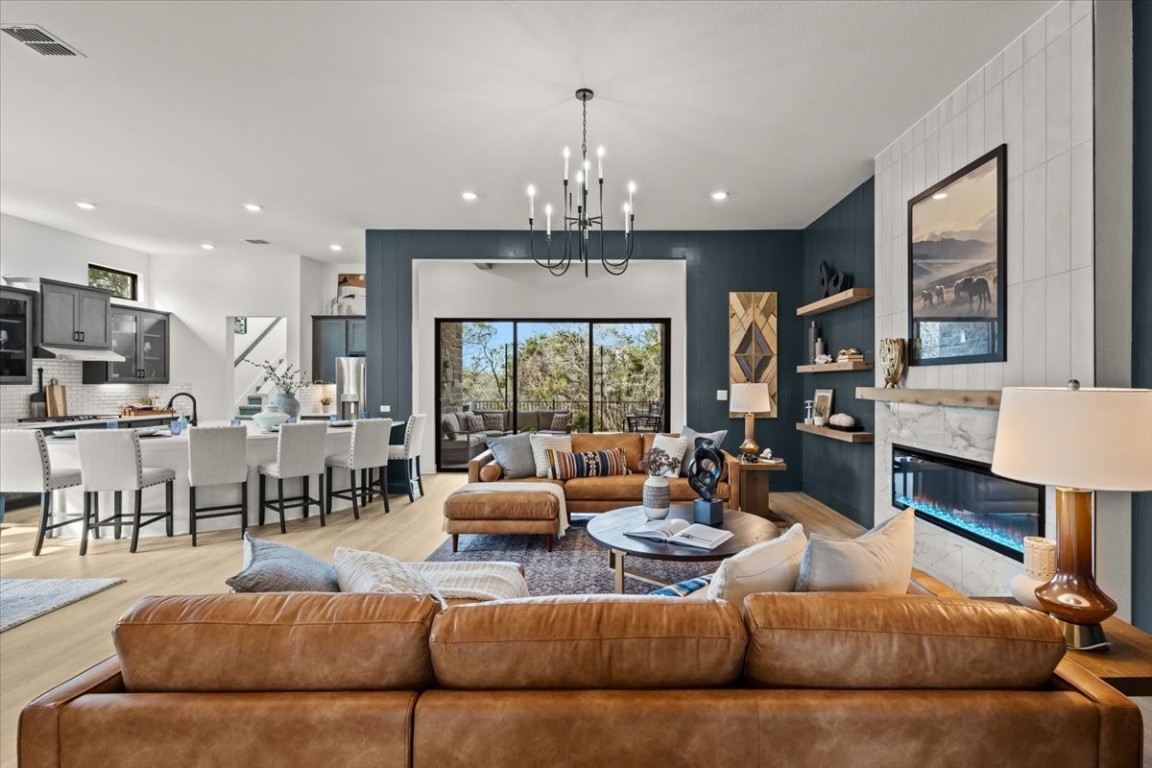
(750, 399)
(1081, 441)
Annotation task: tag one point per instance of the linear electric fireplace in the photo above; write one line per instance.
(964, 497)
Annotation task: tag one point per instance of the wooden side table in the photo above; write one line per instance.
(754, 493)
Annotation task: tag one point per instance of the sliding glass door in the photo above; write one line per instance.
(498, 377)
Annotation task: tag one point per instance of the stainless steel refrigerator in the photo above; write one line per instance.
(351, 386)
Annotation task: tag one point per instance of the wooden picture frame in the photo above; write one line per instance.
(957, 266)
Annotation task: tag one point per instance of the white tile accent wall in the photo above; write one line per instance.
(1036, 96)
(97, 399)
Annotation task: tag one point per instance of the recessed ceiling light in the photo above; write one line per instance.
(207, 246)
(939, 195)
(85, 206)
(253, 207)
(469, 195)
(719, 195)
(336, 247)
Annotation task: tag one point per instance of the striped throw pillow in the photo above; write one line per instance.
(563, 465)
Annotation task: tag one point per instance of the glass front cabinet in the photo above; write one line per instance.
(141, 337)
(17, 336)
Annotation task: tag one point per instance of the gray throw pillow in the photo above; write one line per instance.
(514, 454)
(272, 567)
(691, 434)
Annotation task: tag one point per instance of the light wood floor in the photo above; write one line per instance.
(46, 651)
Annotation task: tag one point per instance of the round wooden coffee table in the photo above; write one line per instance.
(608, 530)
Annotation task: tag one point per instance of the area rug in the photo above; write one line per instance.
(576, 565)
(22, 600)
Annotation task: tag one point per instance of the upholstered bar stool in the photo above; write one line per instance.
(26, 468)
(367, 451)
(217, 456)
(409, 453)
(110, 462)
(300, 452)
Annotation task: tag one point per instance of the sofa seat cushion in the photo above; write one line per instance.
(589, 642)
(630, 488)
(212, 643)
(630, 442)
(845, 640)
(502, 506)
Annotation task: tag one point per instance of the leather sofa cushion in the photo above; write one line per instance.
(630, 488)
(588, 642)
(851, 640)
(630, 442)
(501, 506)
(276, 641)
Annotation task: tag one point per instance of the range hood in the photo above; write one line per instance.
(87, 355)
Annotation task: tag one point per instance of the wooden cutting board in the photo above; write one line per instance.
(57, 399)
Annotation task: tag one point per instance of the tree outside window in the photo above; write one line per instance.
(122, 285)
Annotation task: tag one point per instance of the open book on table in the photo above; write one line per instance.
(681, 532)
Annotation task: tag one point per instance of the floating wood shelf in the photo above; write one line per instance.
(842, 299)
(852, 365)
(836, 434)
(962, 398)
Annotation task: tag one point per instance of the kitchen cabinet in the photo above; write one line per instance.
(17, 335)
(74, 315)
(141, 336)
(336, 336)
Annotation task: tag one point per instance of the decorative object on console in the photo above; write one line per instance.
(957, 255)
(752, 346)
(893, 361)
(270, 416)
(832, 281)
(1112, 429)
(1039, 568)
(660, 465)
(579, 224)
(704, 470)
(878, 561)
(749, 400)
(822, 407)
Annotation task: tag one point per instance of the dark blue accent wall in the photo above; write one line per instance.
(717, 263)
(841, 474)
(1142, 290)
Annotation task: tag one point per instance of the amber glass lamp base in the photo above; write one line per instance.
(749, 448)
(1072, 595)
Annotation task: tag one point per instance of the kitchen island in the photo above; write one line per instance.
(171, 452)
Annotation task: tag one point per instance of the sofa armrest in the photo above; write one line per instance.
(474, 466)
(731, 473)
(1121, 726)
(39, 731)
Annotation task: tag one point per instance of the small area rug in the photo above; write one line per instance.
(22, 600)
(576, 565)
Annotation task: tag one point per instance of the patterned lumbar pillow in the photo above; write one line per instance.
(879, 561)
(514, 455)
(360, 571)
(561, 421)
(493, 421)
(674, 447)
(771, 566)
(272, 567)
(563, 465)
(690, 435)
(540, 446)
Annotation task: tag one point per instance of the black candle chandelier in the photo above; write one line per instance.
(579, 223)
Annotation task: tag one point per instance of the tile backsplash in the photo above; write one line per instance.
(97, 399)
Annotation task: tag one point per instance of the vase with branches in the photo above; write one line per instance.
(288, 382)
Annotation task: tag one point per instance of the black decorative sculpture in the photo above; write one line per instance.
(832, 282)
(704, 470)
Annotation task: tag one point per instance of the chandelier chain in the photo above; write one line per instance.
(584, 135)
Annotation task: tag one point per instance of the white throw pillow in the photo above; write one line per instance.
(540, 446)
(772, 566)
(675, 448)
(879, 561)
(360, 571)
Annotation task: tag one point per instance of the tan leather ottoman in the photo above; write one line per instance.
(527, 512)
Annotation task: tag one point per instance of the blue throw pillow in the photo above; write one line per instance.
(684, 588)
(272, 567)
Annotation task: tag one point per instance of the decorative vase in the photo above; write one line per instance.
(893, 361)
(1039, 567)
(270, 416)
(287, 402)
(657, 499)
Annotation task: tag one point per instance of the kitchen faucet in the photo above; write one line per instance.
(190, 397)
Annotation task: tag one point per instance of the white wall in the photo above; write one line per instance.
(457, 289)
(1037, 96)
(28, 249)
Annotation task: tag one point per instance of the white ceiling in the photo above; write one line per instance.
(344, 116)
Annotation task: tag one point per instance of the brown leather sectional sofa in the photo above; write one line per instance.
(391, 681)
(599, 494)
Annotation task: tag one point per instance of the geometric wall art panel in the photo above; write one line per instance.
(752, 342)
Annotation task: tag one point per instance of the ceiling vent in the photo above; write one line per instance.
(256, 241)
(39, 39)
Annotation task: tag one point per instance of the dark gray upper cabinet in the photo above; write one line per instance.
(336, 336)
(73, 315)
(17, 335)
(141, 336)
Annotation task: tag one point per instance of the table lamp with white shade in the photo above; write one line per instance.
(1080, 441)
(750, 399)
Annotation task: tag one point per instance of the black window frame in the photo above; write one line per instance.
(133, 277)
